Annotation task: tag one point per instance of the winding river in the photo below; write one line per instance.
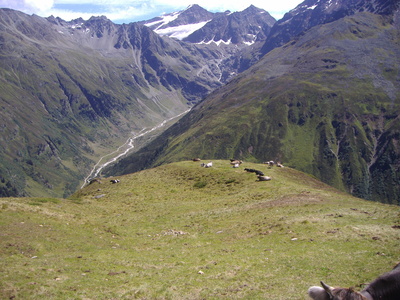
(129, 145)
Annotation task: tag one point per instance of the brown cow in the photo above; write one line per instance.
(385, 287)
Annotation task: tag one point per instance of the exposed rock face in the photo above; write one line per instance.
(239, 35)
(196, 25)
(311, 13)
(245, 27)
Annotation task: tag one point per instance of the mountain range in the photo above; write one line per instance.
(317, 90)
(325, 102)
(197, 25)
(74, 91)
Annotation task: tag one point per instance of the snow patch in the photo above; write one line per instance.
(249, 43)
(331, 3)
(253, 38)
(315, 5)
(164, 20)
(215, 42)
(180, 32)
(223, 42)
(76, 26)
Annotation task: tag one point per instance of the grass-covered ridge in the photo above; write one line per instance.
(180, 231)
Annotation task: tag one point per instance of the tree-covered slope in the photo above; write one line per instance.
(327, 103)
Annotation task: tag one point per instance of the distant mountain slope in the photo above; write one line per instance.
(245, 27)
(72, 91)
(327, 103)
(239, 34)
(317, 12)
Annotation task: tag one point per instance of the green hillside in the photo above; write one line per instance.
(326, 103)
(180, 231)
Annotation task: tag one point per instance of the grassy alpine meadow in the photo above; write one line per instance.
(180, 231)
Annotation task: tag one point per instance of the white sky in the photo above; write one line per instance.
(126, 11)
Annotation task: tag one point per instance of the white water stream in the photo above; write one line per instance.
(129, 144)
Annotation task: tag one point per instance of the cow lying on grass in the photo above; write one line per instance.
(254, 171)
(385, 287)
(263, 178)
(208, 165)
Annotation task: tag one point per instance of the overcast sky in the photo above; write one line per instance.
(127, 11)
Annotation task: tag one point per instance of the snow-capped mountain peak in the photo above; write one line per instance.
(197, 25)
(182, 23)
(180, 32)
(162, 21)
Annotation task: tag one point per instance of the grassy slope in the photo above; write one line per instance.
(150, 235)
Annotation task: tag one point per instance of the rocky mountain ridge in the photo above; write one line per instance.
(311, 13)
(239, 34)
(182, 23)
(199, 26)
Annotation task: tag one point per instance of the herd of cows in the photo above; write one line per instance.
(236, 163)
(385, 287)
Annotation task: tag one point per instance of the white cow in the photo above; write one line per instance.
(208, 165)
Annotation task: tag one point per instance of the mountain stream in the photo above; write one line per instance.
(129, 145)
